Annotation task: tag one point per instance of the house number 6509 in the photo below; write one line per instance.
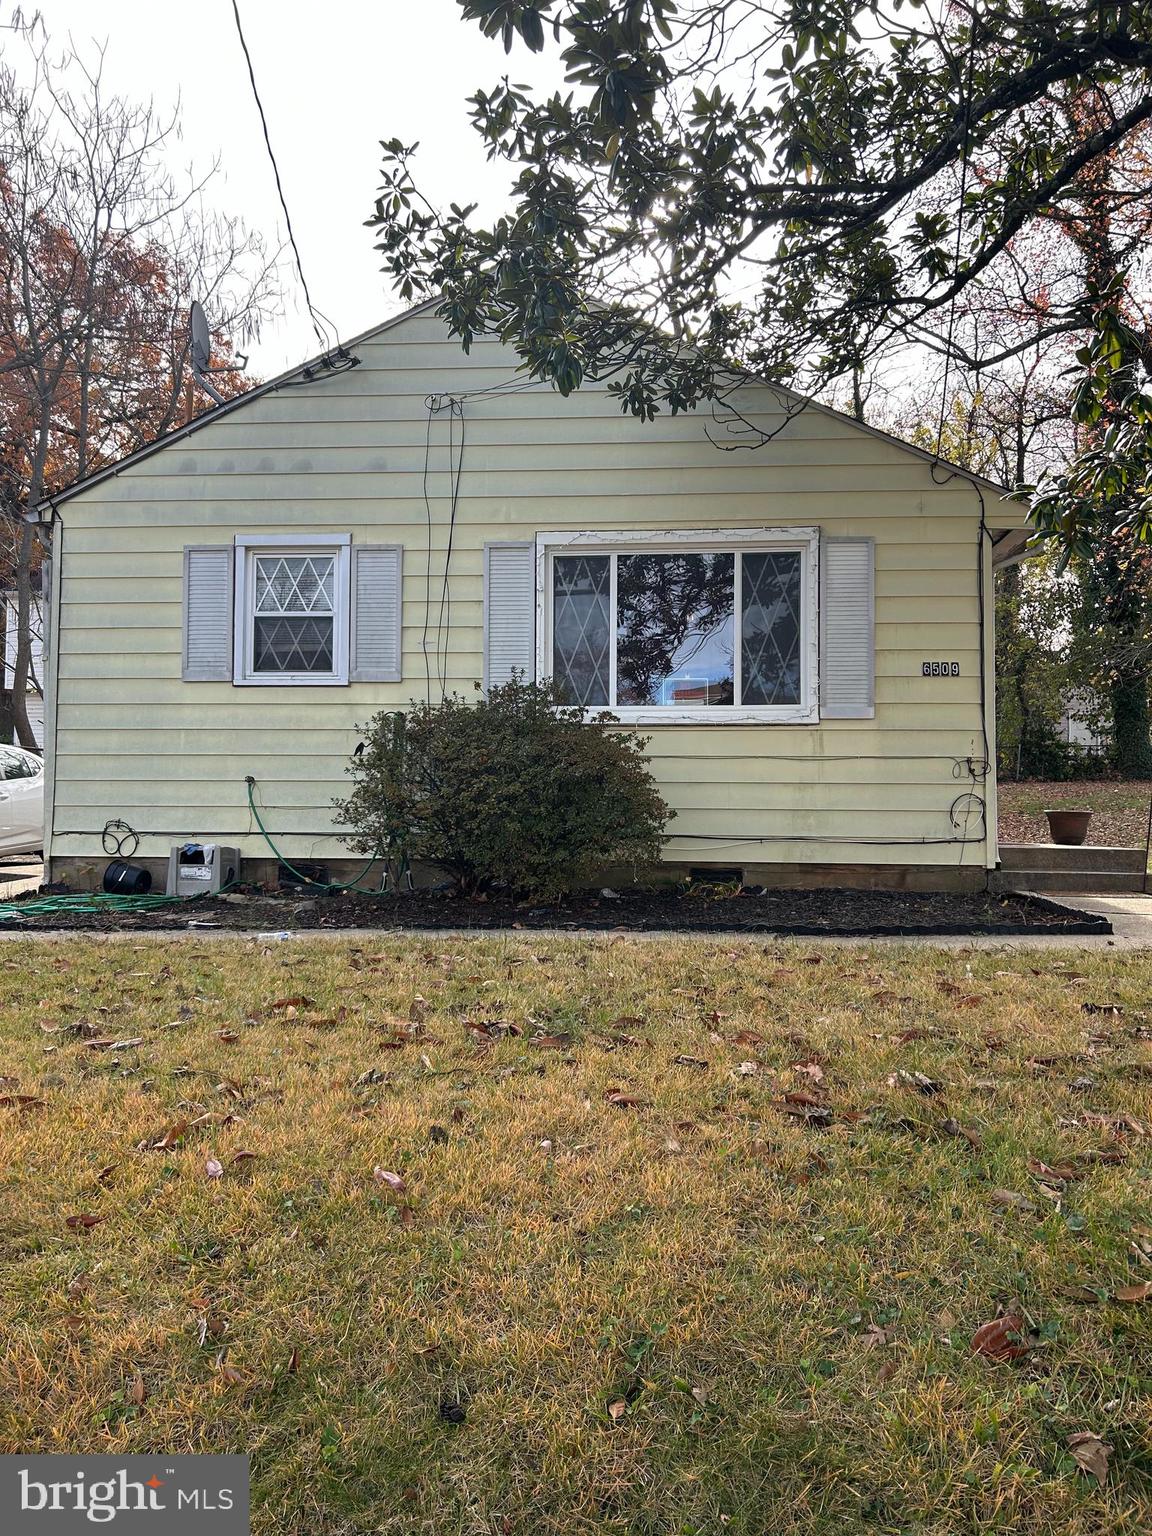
(940, 669)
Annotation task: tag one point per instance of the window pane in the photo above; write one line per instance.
(674, 629)
(294, 583)
(292, 645)
(771, 628)
(581, 592)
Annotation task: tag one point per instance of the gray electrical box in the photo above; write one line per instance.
(200, 869)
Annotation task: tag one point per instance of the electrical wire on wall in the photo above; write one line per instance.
(453, 406)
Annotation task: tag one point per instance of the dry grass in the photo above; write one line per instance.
(690, 1315)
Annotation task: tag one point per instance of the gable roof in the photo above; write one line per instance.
(292, 377)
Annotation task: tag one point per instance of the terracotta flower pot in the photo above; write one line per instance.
(1068, 828)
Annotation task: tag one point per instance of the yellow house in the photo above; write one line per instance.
(796, 609)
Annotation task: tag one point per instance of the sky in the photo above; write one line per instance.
(335, 79)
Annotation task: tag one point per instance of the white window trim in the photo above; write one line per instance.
(249, 544)
(739, 540)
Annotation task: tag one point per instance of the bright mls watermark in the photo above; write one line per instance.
(136, 1495)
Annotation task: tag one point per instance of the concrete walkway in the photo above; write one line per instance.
(20, 875)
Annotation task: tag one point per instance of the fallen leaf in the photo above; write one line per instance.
(243, 1156)
(1139, 1292)
(114, 1045)
(172, 1137)
(1090, 1454)
(1009, 1197)
(690, 1061)
(1001, 1339)
(136, 1392)
(214, 1168)
(746, 1037)
(83, 1221)
(229, 1036)
(1043, 1171)
(916, 1080)
(617, 1410)
(394, 1181)
(21, 1101)
(551, 1042)
(283, 1003)
(811, 1069)
(1112, 1008)
(952, 1127)
(623, 1100)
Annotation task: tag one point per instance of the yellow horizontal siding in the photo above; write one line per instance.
(347, 455)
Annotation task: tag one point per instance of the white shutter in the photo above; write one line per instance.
(509, 612)
(847, 630)
(377, 611)
(207, 614)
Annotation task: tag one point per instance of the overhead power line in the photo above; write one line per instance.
(328, 334)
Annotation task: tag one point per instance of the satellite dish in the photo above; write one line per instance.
(201, 338)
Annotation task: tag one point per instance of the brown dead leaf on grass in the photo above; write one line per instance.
(1001, 1339)
(136, 1392)
(21, 1101)
(83, 1221)
(1090, 1454)
(1133, 1293)
(623, 1100)
(1011, 1200)
(112, 1044)
(809, 1069)
(282, 1004)
(952, 1127)
(167, 1139)
(395, 1181)
(1061, 1175)
(746, 1037)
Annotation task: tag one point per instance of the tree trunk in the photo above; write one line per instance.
(22, 667)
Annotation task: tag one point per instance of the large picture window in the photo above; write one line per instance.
(682, 626)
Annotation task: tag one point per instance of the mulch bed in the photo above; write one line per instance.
(853, 914)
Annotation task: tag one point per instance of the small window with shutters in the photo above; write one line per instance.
(307, 610)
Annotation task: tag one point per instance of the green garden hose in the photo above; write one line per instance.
(319, 885)
(86, 902)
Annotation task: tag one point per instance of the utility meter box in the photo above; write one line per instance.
(200, 869)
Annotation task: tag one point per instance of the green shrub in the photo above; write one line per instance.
(515, 790)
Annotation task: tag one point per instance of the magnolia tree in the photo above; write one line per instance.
(793, 190)
(101, 252)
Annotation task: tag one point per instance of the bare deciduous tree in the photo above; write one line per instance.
(102, 249)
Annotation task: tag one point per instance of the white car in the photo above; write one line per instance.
(21, 800)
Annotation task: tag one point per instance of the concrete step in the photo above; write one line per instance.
(1086, 882)
(1088, 857)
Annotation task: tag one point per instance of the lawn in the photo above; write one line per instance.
(1119, 807)
(527, 1237)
